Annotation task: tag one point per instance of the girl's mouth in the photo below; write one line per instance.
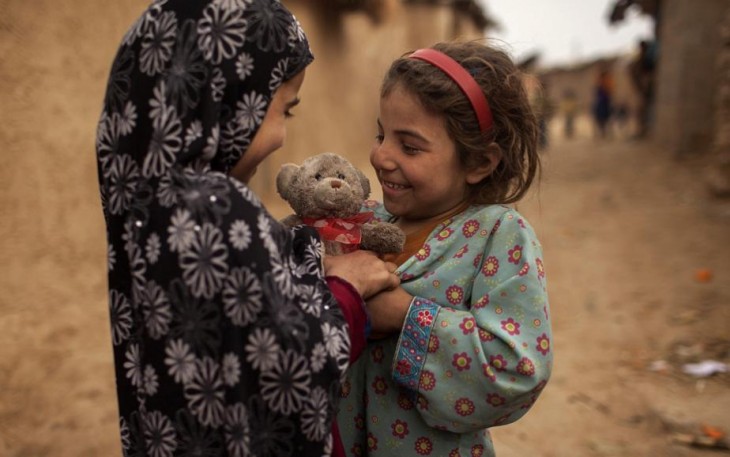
(393, 190)
(394, 186)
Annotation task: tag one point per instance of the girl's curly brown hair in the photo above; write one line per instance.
(515, 128)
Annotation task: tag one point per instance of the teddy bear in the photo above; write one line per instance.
(327, 192)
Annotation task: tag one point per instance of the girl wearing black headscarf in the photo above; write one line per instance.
(229, 340)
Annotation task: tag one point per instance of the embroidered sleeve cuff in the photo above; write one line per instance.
(355, 313)
(412, 346)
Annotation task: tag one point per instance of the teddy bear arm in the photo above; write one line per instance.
(383, 238)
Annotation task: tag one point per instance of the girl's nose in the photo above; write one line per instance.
(381, 157)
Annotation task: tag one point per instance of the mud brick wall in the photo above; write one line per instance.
(722, 104)
(688, 79)
(718, 170)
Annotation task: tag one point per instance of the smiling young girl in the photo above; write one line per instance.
(467, 341)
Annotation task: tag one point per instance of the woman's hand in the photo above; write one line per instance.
(364, 270)
(388, 310)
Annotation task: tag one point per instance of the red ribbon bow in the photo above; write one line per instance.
(345, 230)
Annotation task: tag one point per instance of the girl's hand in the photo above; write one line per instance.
(388, 310)
(364, 270)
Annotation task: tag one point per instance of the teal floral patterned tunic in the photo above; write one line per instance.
(475, 348)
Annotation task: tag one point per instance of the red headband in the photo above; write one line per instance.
(463, 79)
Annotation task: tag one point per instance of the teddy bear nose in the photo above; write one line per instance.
(335, 184)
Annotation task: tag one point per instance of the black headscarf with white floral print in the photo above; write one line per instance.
(226, 338)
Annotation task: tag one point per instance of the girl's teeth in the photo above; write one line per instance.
(394, 186)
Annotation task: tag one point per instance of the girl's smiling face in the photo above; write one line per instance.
(415, 159)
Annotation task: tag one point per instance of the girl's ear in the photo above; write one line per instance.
(488, 162)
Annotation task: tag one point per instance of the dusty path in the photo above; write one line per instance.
(624, 230)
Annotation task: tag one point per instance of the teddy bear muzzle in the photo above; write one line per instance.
(333, 193)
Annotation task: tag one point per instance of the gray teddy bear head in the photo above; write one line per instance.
(325, 185)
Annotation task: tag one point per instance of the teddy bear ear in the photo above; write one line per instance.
(365, 182)
(284, 178)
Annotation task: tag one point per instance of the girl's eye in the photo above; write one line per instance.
(341, 176)
(379, 137)
(288, 114)
(410, 149)
(318, 176)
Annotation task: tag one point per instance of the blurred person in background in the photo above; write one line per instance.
(642, 71)
(569, 107)
(603, 101)
(544, 109)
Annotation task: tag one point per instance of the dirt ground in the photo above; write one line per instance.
(626, 229)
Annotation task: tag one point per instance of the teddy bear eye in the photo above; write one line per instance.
(318, 176)
(341, 176)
